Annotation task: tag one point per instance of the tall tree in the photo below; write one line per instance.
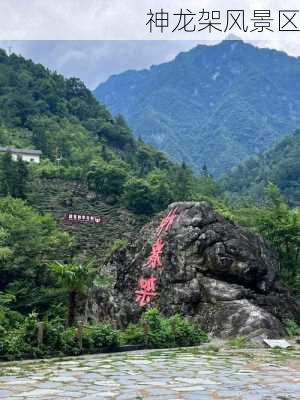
(75, 278)
(204, 171)
(20, 179)
(7, 172)
(182, 183)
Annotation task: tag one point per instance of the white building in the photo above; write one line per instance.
(25, 154)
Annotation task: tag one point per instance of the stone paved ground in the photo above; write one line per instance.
(194, 373)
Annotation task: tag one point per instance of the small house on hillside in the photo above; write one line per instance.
(25, 154)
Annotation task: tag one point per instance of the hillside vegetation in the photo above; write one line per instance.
(79, 139)
(279, 165)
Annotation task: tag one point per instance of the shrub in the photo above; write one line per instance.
(52, 337)
(185, 333)
(292, 328)
(238, 342)
(69, 344)
(13, 345)
(47, 169)
(28, 329)
(23, 342)
(133, 334)
(155, 331)
(103, 335)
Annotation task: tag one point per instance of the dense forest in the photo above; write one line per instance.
(280, 165)
(43, 275)
(80, 139)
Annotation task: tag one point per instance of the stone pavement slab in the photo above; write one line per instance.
(181, 374)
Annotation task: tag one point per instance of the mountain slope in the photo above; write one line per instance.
(280, 165)
(80, 140)
(41, 109)
(214, 104)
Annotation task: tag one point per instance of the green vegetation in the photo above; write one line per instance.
(281, 226)
(32, 339)
(13, 176)
(25, 340)
(79, 139)
(279, 165)
(292, 328)
(28, 243)
(76, 279)
(155, 331)
(237, 343)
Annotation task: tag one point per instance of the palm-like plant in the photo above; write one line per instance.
(76, 279)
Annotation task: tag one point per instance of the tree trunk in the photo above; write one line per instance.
(72, 307)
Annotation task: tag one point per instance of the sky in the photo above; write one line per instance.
(94, 39)
(95, 61)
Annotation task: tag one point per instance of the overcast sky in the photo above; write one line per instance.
(95, 61)
(24, 24)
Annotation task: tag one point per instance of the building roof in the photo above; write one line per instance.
(21, 151)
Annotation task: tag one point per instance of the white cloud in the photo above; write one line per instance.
(95, 61)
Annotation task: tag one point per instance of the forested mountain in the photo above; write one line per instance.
(79, 139)
(60, 117)
(214, 104)
(279, 165)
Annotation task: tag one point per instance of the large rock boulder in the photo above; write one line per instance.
(215, 272)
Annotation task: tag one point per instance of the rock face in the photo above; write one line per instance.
(213, 271)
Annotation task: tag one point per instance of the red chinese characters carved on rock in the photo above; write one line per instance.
(154, 260)
(167, 222)
(146, 287)
(145, 291)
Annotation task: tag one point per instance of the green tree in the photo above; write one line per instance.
(14, 176)
(20, 179)
(28, 242)
(107, 179)
(138, 196)
(7, 174)
(75, 278)
(206, 186)
(5, 300)
(204, 171)
(281, 226)
(5, 251)
(182, 181)
(161, 189)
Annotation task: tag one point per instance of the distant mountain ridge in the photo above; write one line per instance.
(213, 104)
(279, 165)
